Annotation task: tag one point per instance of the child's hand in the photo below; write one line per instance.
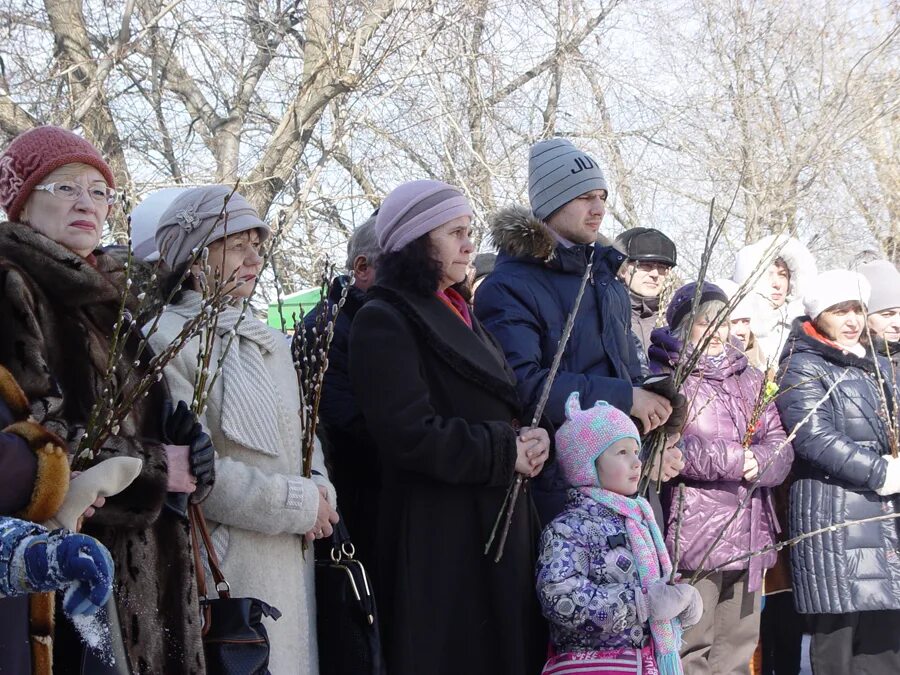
(694, 611)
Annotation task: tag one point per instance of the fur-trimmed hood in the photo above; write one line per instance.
(764, 252)
(518, 233)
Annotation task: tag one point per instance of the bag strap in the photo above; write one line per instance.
(200, 532)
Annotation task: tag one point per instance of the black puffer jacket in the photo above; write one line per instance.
(839, 465)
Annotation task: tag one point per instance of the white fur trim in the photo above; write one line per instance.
(750, 259)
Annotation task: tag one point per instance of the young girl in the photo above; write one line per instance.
(603, 572)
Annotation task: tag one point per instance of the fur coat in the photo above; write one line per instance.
(57, 311)
(261, 504)
(34, 479)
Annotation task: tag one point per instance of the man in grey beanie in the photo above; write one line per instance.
(525, 301)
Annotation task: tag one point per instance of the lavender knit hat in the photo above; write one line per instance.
(416, 208)
(585, 435)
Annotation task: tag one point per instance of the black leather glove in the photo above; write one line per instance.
(183, 428)
(665, 387)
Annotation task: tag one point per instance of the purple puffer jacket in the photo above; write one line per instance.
(722, 393)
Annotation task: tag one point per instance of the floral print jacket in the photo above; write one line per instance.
(587, 580)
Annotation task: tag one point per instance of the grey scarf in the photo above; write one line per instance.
(250, 406)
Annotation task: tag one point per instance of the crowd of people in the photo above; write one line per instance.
(778, 423)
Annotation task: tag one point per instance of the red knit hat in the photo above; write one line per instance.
(36, 153)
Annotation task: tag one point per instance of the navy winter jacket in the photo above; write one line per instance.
(525, 302)
(840, 462)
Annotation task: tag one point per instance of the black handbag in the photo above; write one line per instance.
(346, 616)
(235, 641)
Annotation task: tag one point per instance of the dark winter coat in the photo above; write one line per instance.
(889, 350)
(722, 395)
(57, 312)
(644, 314)
(349, 448)
(525, 302)
(441, 404)
(840, 463)
(34, 478)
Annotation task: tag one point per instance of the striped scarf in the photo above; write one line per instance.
(250, 405)
(653, 563)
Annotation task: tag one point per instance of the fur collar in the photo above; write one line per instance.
(61, 274)
(518, 234)
(470, 352)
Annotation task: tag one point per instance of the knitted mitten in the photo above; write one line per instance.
(33, 560)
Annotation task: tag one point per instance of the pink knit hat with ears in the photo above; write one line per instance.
(416, 208)
(585, 435)
(34, 154)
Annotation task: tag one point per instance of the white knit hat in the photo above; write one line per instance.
(747, 307)
(834, 287)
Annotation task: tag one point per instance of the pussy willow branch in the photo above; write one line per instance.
(890, 419)
(690, 356)
(679, 515)
(794, 541)
(512, 495)
(756, 483)
(319, 376)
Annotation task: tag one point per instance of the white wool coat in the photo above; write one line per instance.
(260, 505)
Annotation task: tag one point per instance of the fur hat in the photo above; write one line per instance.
(884, 278)
(416, 208)
(647, 244)
(585, 435)
(680, 304)
(200, 216)
(753, 258)
(834, 287)
(35, 154)
(558, 172)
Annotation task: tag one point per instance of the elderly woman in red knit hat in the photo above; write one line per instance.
(441, 404)
(59, 300)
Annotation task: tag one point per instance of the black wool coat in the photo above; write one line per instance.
(58, 312)
(441, 403)
(839, 463)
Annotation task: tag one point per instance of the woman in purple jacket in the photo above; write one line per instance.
(735, 450)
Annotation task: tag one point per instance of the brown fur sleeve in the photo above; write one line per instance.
(52, 482)
(139, 505)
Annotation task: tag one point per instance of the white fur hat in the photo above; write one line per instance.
(834, 287)
(800, 262)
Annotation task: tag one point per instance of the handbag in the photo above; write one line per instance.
(346, 616)
(235, 641)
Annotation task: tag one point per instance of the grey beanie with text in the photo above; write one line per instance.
(558, 172)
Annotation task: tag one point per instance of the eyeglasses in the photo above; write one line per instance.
(71, 192)
(648, 266)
